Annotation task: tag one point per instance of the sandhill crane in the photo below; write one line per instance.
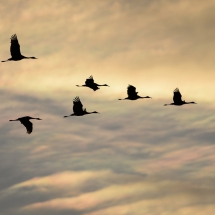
(132, 94)
(25, 121)
(90, 83)
(78, 108)
(15, 50)
(177, 99)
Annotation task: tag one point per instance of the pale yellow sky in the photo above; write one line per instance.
(154, 45)
(135, 157)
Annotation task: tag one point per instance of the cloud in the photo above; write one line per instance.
(130, 196)
(67, 162)
(156, 45)
(134, 155)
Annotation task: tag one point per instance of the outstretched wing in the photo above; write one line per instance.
(77, 105)
(28, 125)
(89, 81)
(131, 90)
(177, 96)
(14, 47)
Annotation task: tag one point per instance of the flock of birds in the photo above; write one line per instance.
(77, 105)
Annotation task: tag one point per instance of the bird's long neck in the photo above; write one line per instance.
(102, 85)
(28, 57)
(93, 112)
(85, 112)
(145, 97)
(189, 102)
(14, 120)
(35, 118)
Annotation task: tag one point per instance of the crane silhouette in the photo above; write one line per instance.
(25, 121)
(78, 108)
(177, 99)
(15, 50)
(90, 83)
(132, 94)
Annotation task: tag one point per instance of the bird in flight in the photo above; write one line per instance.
(90, 83)
(25, 121)
(177, 99)
(15, 50)
(78, 108)
(132, 94)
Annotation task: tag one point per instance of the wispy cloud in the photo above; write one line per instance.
(135, 157)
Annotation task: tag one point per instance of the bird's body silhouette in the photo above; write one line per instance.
(25, 121)
(132, 94)
(91, 84)
(15, 50)
(177, 99)
(78, 108)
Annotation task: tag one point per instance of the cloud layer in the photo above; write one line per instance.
(135, 157)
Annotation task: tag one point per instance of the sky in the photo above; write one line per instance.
(135, 157)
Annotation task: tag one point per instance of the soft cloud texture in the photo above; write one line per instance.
(135, 157)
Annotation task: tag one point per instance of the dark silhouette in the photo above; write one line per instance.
(177, 99)
(25, 121)
(132, 94)
(15, 50)
(90, 83)
(78, 108)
